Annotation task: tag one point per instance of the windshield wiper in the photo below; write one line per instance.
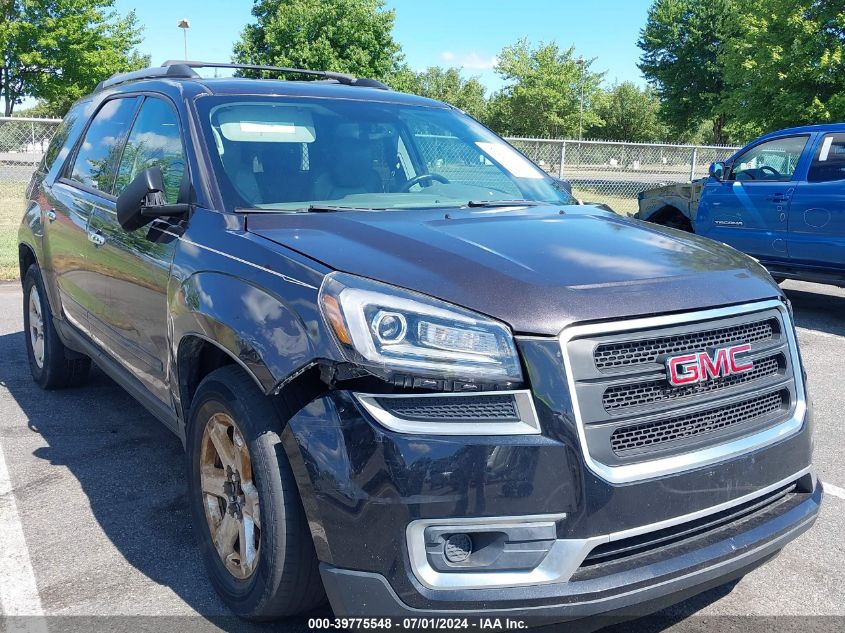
(505, 203)
(328, 208)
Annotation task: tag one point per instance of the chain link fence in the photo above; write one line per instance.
(23, 142)
(614, 172)
(600, 171)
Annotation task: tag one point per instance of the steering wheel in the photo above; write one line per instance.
(771, 170)
(406, 187)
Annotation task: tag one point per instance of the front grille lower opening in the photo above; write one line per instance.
(644, 543)
(663, 431)
(609, 356)
(637, 394)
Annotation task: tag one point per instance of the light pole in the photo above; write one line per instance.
(184, 25)
(581, 65)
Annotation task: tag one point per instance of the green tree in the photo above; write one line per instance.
(545, 88)
(681, 46)
(352, 36)
(629, 113)
(58, 50)
(447, 84)
(786, 68)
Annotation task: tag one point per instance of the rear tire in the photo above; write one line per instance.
(240, 480)
(53, 366)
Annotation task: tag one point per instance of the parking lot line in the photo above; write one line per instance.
(18, 591)
(834, 491)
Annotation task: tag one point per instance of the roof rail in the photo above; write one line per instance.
(174, 70)
(343, 78)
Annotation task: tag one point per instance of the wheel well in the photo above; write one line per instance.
(26, 258)
(196, 359)
(672, 217)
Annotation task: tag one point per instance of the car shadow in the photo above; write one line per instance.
(132, 470)
(817, 307)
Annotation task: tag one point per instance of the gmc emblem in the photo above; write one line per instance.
(695, 368)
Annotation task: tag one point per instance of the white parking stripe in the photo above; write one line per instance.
(18, 591)
(804, 330)
(835, 491)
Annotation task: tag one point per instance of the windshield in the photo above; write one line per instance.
(292, 154)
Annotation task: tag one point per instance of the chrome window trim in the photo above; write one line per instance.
(528, 424)
(565, 556)
(702, 457)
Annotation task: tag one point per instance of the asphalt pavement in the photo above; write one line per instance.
(100, 526)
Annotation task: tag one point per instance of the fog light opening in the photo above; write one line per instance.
(458, 548)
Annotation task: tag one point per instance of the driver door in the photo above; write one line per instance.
(749, 210)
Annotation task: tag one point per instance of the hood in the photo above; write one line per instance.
(538, 269)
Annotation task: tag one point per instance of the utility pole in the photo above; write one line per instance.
(184, 24)
(582, 66)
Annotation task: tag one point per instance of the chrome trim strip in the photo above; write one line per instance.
(705, 456)
(565, 556)
(528, 424)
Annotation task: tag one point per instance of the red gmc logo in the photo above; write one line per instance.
(694, 368)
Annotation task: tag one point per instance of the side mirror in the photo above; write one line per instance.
(143, 200)
(717, 170)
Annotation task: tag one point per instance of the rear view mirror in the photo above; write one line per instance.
(717, 170)
(143, 200)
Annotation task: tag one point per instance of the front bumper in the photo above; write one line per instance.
(727, 555)
(364, 485)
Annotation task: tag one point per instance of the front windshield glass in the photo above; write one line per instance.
(295, 153)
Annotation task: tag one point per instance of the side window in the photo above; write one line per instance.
(96, 159)
(772, 160)
(155, 139)
(829, 162)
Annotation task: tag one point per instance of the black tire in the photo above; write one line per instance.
(59, 367)
(286, 579)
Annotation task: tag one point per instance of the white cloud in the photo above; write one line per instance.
(471, 61)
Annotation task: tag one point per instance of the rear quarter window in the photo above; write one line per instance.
(66, 134)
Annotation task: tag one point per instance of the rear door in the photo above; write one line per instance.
(83, 186)
(135, 265)
(749, 209)
(817, 212)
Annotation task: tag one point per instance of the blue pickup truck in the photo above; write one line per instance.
(780, 199)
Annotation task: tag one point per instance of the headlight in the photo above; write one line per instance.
(389, 330)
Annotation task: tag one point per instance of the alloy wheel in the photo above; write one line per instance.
(230, 497)
(36, 326)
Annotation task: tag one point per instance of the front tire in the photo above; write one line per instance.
(52, 365)
(245, 505)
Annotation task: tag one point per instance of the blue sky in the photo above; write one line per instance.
(467, 33)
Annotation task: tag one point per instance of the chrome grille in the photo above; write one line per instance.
(629, 414)
(637, 394)
(676, 428)
(641, 351)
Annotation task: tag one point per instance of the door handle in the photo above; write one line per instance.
(97, 238)
(51, 215)
(779, 198)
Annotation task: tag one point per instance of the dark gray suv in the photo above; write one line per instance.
(411, 375)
